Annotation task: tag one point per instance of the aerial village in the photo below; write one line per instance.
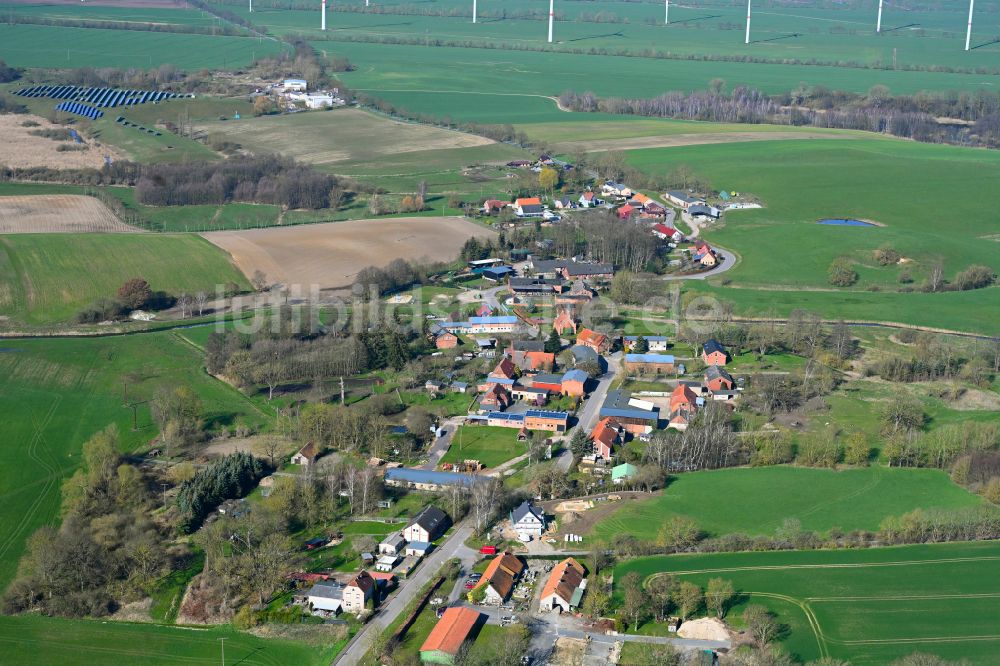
(553, 390)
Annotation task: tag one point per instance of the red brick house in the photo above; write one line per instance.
(683, 398)
(446, 340)
(713, 353)
(596, 341)
(605, 435)
(496, 397)
(717, 379)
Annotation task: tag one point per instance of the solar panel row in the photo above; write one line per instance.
(101, 97)
(80, 109)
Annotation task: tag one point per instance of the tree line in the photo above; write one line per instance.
(909, 116)
(266, 179)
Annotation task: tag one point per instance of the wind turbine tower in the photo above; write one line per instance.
(473, 11)
(968, 32)
(747, 41)
(878, 21)
(666, 12)
(551, 16)
(322, 24)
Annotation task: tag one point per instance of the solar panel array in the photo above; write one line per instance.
(80, 109)
(99, 97)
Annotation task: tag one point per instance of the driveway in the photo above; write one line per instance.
(409, 589)
(441, 444)
(588, 415)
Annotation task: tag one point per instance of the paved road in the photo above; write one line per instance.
(441, 444)
(453, 547)
(588, 416)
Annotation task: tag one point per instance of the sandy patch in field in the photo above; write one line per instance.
(331, 254)
(57, 213)
(675, 140)
(705, 629)
(21, 149)
(574, 505)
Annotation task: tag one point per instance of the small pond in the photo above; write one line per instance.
(841, 222)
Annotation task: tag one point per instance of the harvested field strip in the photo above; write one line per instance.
(58, 213)
(855, 565)
(330, 255)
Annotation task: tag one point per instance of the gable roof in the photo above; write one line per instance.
(501, 572)
(715, 372)
(537, 359)
(566, 577)
(606, 432)
(527, 345)
(713, 346)
(575, 268)
(593, 337)
(575, 375)
(522, 510)
(451, 630)
(528, 201)
(408, 475)
(363, 580)
(649, 358)
(309, 450)
(664, 229)
(430, 518)
(327, 589)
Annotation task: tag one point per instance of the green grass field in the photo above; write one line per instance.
(493, 86)
(58, 392)
(49, 640)
(801, 182)
(756, 501)
(866, 606)
(60, 47)
(780, 34)
(490, 445)
(51, 277)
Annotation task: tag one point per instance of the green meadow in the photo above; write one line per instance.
(757, 501)
(866, 606)
(779, 34)
(61, 47)
(48, 640)
(51, 277)
(499, 86)
(58, 392)
(490, 445)
(802, 181)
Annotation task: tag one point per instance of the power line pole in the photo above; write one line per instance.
(222, 642)
(342, 400)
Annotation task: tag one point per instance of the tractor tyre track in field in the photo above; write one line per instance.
(32, 452)
(811, 618)
(849, 565)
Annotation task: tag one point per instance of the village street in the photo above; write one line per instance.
(588, 415)
(454, 546)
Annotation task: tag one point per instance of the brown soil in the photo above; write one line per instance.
(22, 149)
(330, 255)
(57, 213)
(674, 140)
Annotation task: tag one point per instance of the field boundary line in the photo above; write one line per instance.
(913, 597)
(848, 565)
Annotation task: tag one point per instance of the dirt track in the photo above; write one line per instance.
(330, 255)
(675, 140)
(57, 213)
